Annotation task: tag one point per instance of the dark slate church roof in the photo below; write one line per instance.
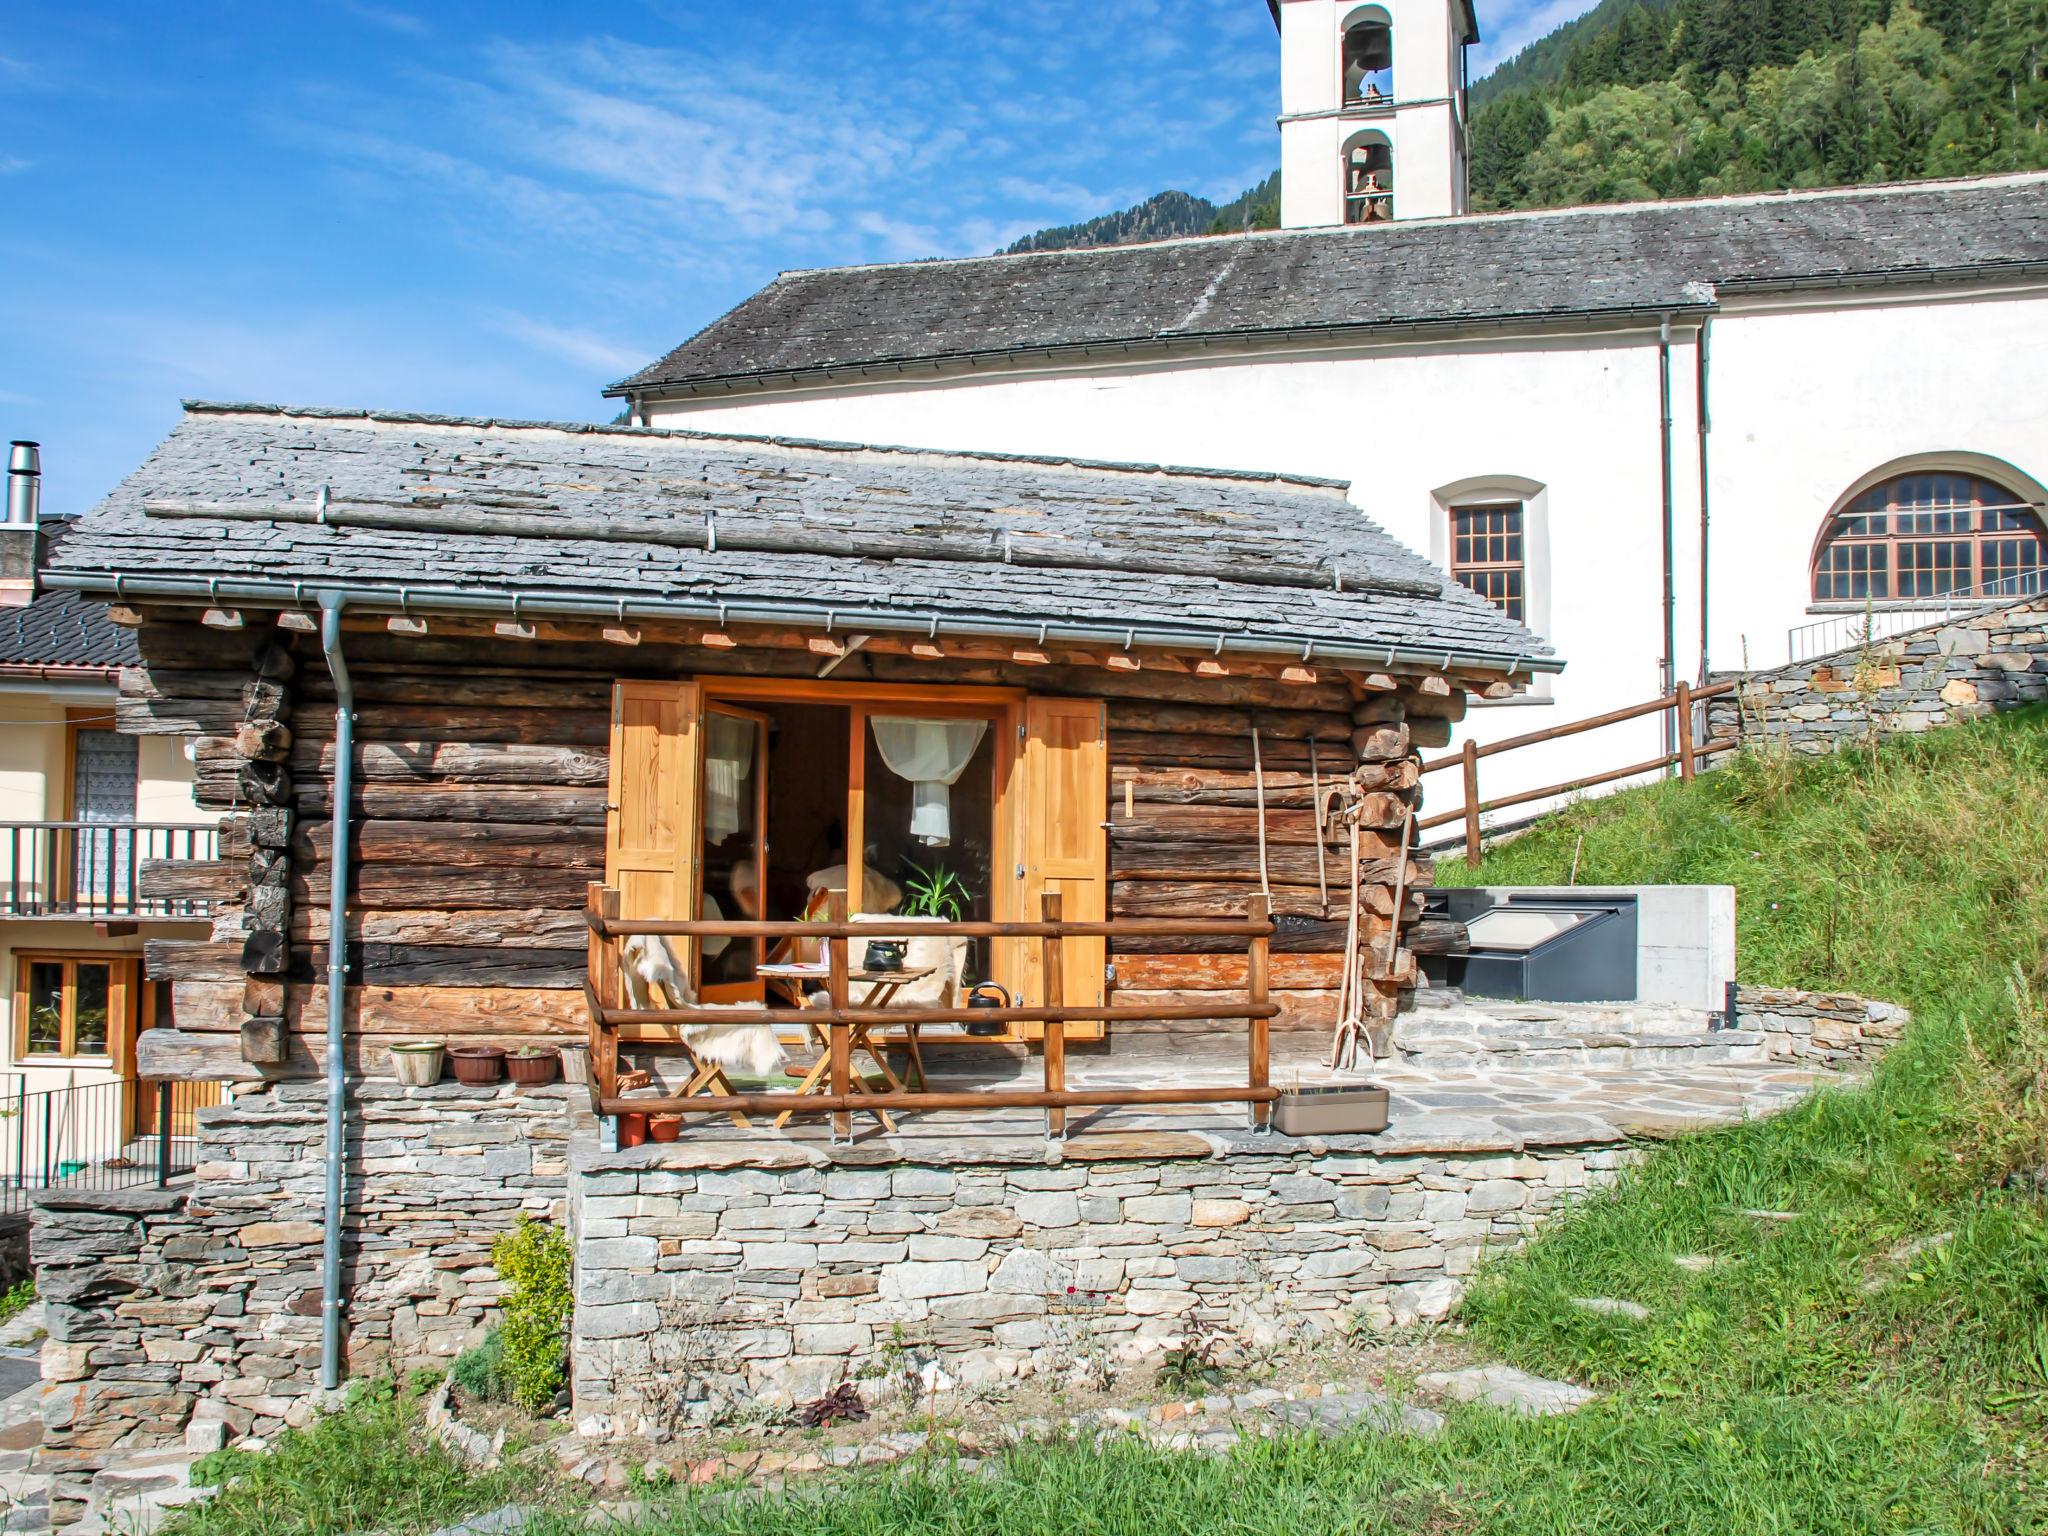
(1627, 258)
(582, 518)
(63, 629)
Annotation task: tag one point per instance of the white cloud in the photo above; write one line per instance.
(593, 353)
(384, 16)
(12, 163)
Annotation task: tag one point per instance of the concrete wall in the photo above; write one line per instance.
(1912, 682)
(1809, 400)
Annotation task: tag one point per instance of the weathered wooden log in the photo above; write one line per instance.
(1290, 790)
(263, 1042)
(1288, 863)
(1314, 1009)
(415, 762)
(191, 960)
(264, 784)
(431, 722)
(189, 880)
(270, 740)
(263, 997)
(204, 1007)
(1381, 743)
(1196, 720)
(379, 686)
(1167, 749)
(493, 804)
(268, 828)
(410, 965)
(451, 844)
(1206, 898)
(1223, 972)
(1425, 732)
(512, 927)
(1294, 934)
(413, 886)
(266, 952)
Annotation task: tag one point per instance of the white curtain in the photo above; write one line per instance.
(932, 754)
(728, 761)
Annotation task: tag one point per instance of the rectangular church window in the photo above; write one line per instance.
(1486, 554)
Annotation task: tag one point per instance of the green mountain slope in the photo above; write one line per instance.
(1715, 97)
(1644, 99)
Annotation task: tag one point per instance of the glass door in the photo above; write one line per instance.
(733, 852)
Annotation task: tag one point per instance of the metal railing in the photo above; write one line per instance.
(92, 868)
(97, 1136)
(1686, 757)
(846, 1027)
(1882, 618)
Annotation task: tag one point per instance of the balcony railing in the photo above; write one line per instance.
(1880, 618)
(90, 868)
(96, 1136)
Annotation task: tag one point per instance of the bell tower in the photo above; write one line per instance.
(1372, 109)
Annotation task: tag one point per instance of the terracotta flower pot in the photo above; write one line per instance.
(632, 1130)
(665, 1127)
(478, 1065)
(539, 1067)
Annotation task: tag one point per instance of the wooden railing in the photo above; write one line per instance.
(1687, 756)
(839, 1019)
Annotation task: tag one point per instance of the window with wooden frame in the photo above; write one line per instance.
(1927, 535)
(1487, 554)
(73, 1007)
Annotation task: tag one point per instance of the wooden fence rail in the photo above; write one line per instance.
(1687, 756)
(840, 1021)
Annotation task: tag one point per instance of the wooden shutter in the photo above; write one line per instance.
(650, 822)
(1066, 845)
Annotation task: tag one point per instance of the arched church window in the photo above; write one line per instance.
(1368, 179)
(1368, 57)
(1487, 554)
(1933, 533)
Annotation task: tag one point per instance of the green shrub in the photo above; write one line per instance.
(480, 1371)
(533, 1261)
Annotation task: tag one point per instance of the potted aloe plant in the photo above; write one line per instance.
(534, 1064)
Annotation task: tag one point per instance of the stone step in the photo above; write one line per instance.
(1618, 1052)
(137, 1495)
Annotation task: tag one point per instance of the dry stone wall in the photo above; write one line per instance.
(705, 1291)
(192, 1315)
(1831, 1029)
(1938, 675)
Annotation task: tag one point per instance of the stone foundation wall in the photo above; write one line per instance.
(705, 1291)
(1943, 673)
(192, 1315)
(1830, 1029)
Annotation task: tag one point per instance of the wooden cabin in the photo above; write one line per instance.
(674, 662)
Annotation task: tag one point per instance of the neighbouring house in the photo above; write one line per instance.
(1670, 437)
(84, 804)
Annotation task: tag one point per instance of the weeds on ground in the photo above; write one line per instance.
(369, 1466)
(16, 1299)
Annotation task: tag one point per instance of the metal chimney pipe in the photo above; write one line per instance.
(24, 483)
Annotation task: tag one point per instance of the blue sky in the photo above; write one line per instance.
(498, 209)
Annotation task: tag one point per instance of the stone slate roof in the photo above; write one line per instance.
(805, 531)
(1629, 258)
(63, 629)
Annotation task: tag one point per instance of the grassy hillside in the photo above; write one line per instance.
(1542, 62)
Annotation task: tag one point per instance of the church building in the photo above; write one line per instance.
(1673, 438)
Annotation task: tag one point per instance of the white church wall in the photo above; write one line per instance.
(1811, 399)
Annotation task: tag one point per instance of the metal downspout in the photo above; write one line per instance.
(1706, 426)
(1670, 589)
(337, 976)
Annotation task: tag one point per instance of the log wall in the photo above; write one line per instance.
(479, 808)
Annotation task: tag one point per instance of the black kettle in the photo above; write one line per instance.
(987, 995)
